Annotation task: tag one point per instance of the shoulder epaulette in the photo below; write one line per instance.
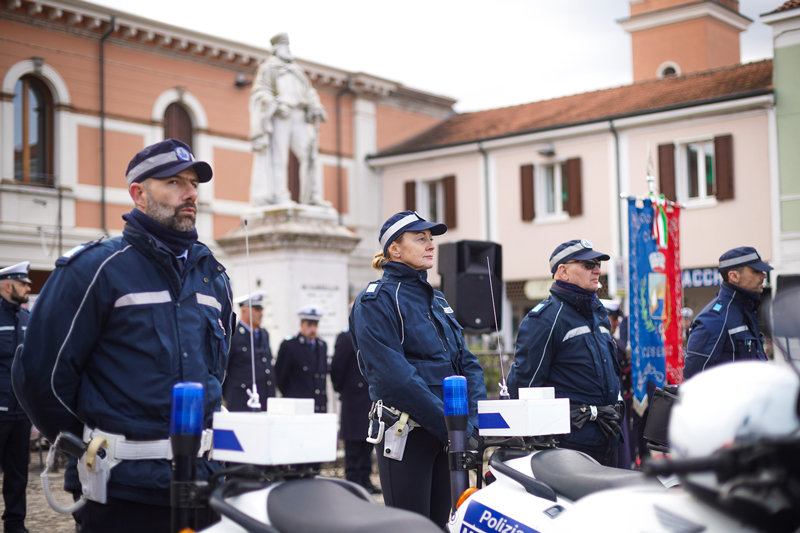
(289, 337)
(541, 306)
(717, 307)
(75, 252)
(372, 290)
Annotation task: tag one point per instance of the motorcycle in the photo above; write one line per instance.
(734, 443)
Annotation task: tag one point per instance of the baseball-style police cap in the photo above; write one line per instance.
(251, 300)
(406, 221)
(164, 160)
(742, 256)
(311, 313)
(577, 250)
(18, 271)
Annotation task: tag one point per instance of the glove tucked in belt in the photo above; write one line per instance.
(606, 416)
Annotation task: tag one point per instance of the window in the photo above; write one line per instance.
(702, 171)
(33, 132)
(178, 124)
(551, 190)
(434, 200)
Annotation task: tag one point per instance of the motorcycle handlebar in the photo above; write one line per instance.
(666, 467)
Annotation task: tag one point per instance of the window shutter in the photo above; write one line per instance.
(178, 124)
(666, 170)
(450, 212)
(411, 195)
(571, 173)
(723, 166)
(526, 190)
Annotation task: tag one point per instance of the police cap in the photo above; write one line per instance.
(406, 221)
(18, 271)
(576, 250)
(164, 160)
(311, 313)
(612, 306)
(742, 256)
(252, 300)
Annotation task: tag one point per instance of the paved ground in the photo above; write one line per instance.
(43, 519)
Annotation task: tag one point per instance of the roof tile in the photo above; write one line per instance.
(629, 100)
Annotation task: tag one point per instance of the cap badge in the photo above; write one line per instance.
(586, 244)
(183, 154)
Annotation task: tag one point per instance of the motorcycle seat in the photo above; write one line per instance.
(574, 475)
(314, 505)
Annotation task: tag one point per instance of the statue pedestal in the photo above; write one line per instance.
(298, 256)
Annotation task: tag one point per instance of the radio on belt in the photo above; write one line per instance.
(288, 433)
(537, 413)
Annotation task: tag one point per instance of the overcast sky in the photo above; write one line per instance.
(484, 54)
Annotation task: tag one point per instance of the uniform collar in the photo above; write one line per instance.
(9, 306)
(404, 272)
(731, 288)
(586, 305)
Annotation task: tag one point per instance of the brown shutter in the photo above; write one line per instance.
(571, 173)
(411, 195)
(666, 170)
(450, 212)
(723, 166)
(178, 124)
(526, 188)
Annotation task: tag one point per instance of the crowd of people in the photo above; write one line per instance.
(121, 320)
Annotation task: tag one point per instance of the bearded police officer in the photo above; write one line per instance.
(119, 322)
(727, 329)
(15, 427)
(565, 342)
(301, 368)
(242, 367)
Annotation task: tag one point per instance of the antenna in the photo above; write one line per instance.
(253, 402)
(503, 386)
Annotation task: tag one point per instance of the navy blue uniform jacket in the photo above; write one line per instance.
(13, 323)
(240, 369)
(352, 388)
(114, 328)
(407, 341)
(302, 370)
(565, 342)
(725, 330)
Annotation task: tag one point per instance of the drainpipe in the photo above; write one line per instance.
(339, 191)
(619, 190)
(486, 188)
(105, 36)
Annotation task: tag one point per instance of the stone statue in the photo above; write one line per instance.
(285, 112)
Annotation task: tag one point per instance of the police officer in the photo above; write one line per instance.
(408, 341)
(118, 323)
(241, 366)
(301, 368)
(354, 392)
(565, 342)
(15, 427)
(727, 328)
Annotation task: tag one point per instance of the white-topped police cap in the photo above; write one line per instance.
(255, 299)
(406, 221)
(743, 256)
(612, 306)
(18, 271)
(687, 312)
(575, 250)
(164, 160)
(310, 312)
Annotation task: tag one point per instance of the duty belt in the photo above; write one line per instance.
(387, 417)
(121, 449)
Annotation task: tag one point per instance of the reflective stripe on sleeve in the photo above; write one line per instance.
(143, 298)
(583, 330)
(204, 299)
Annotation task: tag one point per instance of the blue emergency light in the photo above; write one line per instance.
(187, 409)
(456, 401)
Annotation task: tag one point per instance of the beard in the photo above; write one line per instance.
(17, 297)
(169, 216)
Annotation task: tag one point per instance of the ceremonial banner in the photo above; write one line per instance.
(656, 296)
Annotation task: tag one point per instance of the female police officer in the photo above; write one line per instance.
(408, 341)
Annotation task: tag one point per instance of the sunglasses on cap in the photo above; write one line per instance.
(588, 264)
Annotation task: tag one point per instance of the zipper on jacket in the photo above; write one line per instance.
(436, 331)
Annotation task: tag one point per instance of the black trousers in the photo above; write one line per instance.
(124, 516)
(358, 461)
(15, 453)
(421, 481)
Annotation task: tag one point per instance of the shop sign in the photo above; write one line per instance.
(700, 277)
